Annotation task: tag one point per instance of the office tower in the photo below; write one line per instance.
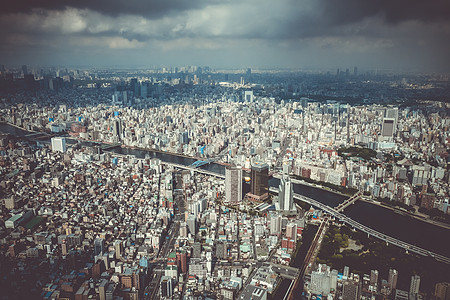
(388, 127)
(286, 194)
(221, 250)
(124, 97)
(99, 246)
(196, 250)
(323, 280)
(275, 223)
(118, 249)
(348, 123)
(392, 113)
(374, 277)
(346, 271)
(117, 129)
(291, 231)
(102, 289)
(259, 188)
(247, 96)
(166, 287)
(350, 290)
(287, 167)
(415, 285)
(192, 224)
(392, 279)
(183, 261)
(355, 71)
(184, 137)
(233, 185)
(134, 86)
(59, 144)
(144, 90)
(24, 70)
(442, 291)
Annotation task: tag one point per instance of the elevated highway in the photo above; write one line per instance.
(356, 225)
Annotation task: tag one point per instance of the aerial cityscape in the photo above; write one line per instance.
(235, 150)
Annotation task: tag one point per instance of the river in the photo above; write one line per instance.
(405, 228)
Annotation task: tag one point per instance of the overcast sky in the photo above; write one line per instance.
(403, 35)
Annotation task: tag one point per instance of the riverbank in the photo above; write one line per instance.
(417, 216)
(420, 217)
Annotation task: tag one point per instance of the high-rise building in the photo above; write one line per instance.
(192, 224)
(346, 271)
(184, 137)
(118, 249)
(233, 185)
(24, 69)
(247, 96)
(99, 246)
(221, 250)
(350, 290)
(442, 291)
(166, 287)
(144, 90)
(388, 127)
(183, 261)
(374, 277)
(259, 188)
(415, 285)
(286, 194)
(291, 231)
(392, 113)
(392, 279)
(275, 223)
(59, 144)
(117, 129)
(323, 280)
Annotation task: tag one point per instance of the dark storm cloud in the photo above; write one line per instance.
(393, 11)
(380, 30)
(150, 8)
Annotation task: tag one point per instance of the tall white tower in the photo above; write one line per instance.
(233, 185)
(286, 194)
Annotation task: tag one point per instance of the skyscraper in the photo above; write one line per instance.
(286, 193)
(392, 279)
(117, 129)
(233, 185)
(259, 189)
(192, 224)
(414, 287)
(374, 277)
(442, 291)
(59, 144)
(99, 246)
(166, 287)
(388, 127)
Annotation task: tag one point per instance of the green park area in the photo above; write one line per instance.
(342, 246)
(364, 153)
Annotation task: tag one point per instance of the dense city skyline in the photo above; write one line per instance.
(405, 36)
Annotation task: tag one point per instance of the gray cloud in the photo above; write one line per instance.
(150, 8)
(382, 31)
